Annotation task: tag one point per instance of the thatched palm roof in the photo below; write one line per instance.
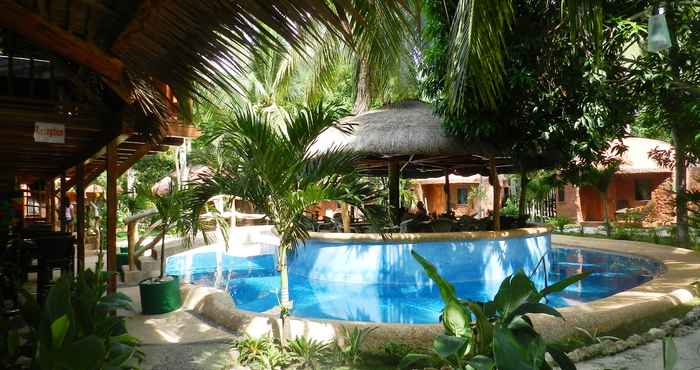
(412, 134)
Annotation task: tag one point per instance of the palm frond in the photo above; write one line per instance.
(475, 68)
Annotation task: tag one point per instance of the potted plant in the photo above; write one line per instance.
(162, 294)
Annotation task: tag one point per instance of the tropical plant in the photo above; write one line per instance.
(307, 353)
(559, 222)
(510, 208)
(75, 329)
(495, 334)
(349, 349)
(594, 338)
(395, 352)
(260, 353)
(278, 169)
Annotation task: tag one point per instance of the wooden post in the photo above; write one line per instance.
(346, 217)
(394, 200)
(80, 214)
(50, 194)
(112, 214)
(132, 238)
(493, 176)
(62, 206)
(523, 193)
(447, 192)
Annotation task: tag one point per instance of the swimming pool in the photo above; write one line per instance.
(380, 281)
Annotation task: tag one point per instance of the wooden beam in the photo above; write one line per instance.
(140, 153)
(112, 215)
(80, 215)
(184, 131)
(40, 31)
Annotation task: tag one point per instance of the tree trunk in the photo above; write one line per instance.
(523, 194)
(162, 254)
(493, 176)
(606, 219)
(363, 96)
(394, 188)
(285, 304)
(680, 187)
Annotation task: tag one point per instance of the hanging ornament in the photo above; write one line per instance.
(658, 38)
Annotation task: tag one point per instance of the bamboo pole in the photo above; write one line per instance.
(80, 215)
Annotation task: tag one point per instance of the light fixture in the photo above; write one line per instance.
(658, 38)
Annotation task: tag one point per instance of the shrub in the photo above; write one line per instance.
(260, 353)
(396, 351)
(349, 351)
(307, 353)
(510, 208)
(559, 222)
(495, 334)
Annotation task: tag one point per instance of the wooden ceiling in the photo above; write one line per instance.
(53, 69)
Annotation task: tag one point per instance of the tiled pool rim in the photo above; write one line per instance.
(651, 299)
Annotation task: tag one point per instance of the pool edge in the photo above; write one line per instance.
(660, 295)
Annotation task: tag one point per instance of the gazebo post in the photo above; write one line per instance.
(493, 177)
(51, 203)
(394, 201)
(80, 214)
(112, 215)
(447, 192)
(62, 205)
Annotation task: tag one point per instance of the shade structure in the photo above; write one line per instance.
(410, 133)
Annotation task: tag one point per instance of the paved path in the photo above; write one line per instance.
(648, 356)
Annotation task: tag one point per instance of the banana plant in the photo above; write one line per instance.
(497, 334)
(75, 329)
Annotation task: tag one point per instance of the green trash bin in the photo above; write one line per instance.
(160, 296)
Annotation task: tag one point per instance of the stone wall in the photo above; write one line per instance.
(662, 205)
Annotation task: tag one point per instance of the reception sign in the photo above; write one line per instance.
(49, 133)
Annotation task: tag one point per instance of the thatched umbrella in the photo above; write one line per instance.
(407, 140)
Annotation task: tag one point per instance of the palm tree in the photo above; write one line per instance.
(274, 167)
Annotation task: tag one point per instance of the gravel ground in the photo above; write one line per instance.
(194, 356)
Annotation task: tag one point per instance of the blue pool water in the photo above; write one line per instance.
(381, 282)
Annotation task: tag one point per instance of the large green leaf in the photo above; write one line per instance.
(514, 291)
(508, 353)
(412, 359)
(447, 346)
(480, 362)
(85, 354)
(447, 291)
(559, 286)
(530, 307)
(59, 329)
(456, 319)
(670, 353)
(116, 301)
(561, 359)
(484, 328)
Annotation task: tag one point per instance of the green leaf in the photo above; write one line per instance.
(508, 353)
(412, 359)
(561, 359)
(85, 354)
(447, 346)
(559, 286)
(456, 319)
(670, 353)
(520, 323)
(530, 307)
(59, 329)
(480, 362)
(447, 291)
(514, 290)
(484, 327)
(116, 301)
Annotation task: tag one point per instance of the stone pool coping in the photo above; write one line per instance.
(651, 299)
(414, 237)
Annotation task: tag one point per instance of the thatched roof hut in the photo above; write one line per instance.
(411, 134)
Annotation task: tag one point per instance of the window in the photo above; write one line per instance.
(561, 194)
(462, 195)
(642, 189)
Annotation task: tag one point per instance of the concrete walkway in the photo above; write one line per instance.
(178, 340)
(649, 356)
